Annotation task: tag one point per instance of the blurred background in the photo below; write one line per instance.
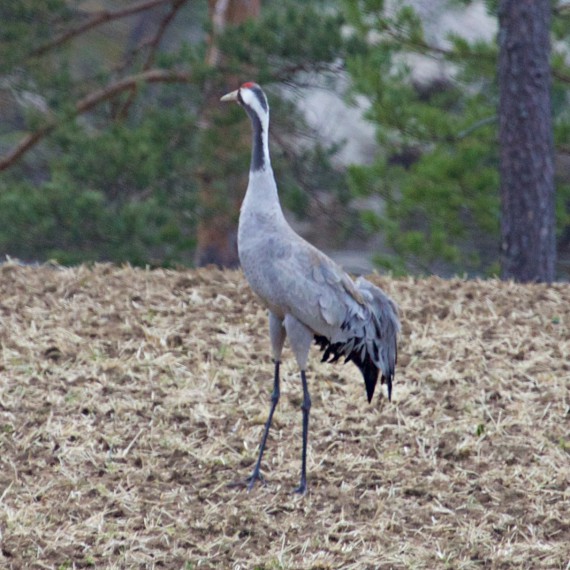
(384, 132)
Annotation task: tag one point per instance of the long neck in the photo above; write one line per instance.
(261, 195)
(260, 144)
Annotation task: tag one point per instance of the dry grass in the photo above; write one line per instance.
(131, 400)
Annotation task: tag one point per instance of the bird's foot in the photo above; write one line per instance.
(301, 489)
(255, 476)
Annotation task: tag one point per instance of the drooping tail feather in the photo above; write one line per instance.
(333, 351)
(371, 342)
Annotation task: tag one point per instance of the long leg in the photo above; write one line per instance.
(277, 334)
(301, 338)
(306, 407)
(256, 475)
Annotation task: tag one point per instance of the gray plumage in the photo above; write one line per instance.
(309, 297)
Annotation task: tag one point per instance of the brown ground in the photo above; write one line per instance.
(130, 399)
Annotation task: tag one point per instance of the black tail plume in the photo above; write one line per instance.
(370, 372)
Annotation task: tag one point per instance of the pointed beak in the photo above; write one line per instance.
(233, 96)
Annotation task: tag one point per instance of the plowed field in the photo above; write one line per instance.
(132, 403)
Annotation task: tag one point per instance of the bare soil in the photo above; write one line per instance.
(132, 403)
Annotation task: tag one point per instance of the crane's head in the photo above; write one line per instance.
(252, 98)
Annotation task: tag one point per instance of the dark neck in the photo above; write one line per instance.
(259, 160)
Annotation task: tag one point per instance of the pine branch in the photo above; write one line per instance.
(565, 78)
(95, 20)
(476, 125)
(422, 47)
(561, 9)
(90, 101)
(153, 45)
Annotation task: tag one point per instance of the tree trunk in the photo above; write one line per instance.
(220, 195)
(528, 242)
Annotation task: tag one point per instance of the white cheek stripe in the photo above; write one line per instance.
(252, 101)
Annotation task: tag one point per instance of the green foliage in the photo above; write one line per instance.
(291, 36)
(27, 24)
(120, 194)
(123, 181)
(438, 173)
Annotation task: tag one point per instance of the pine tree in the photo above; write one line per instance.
(439, 170)
(528, 241)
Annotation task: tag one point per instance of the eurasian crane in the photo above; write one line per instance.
(309, 297)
